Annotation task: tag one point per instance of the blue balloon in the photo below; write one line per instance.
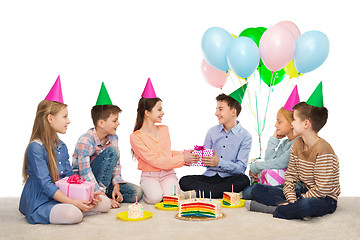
(243, 56)
(312, 49)
(214, 44)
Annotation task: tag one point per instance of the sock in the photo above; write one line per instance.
(259, 207)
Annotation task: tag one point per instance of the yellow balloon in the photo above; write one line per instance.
(291, 71)
(234, 36)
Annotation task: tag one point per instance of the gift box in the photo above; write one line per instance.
(76, 188)
(272, 177)
(202, 152)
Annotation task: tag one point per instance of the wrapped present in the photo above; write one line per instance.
(272, 177)
(202, 152)
(76, 188)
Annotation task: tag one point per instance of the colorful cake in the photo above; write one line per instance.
(231, 198)
(135, 210)
(200, 208)
(171, 201)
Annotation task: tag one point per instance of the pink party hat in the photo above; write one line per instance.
(292, 100)
(149, 91)
(55, 93)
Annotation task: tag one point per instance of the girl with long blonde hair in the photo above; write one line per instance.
(46, 160)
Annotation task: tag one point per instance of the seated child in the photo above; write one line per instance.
(231, 144)
(46, 161)
(97, 158)
(277, 154)
(312, 161)
(151, 146)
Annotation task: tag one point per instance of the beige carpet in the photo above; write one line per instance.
(238, 224)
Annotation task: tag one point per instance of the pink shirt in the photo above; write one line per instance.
(153, 154)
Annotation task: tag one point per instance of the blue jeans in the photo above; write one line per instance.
(303, 207)
(103, 166)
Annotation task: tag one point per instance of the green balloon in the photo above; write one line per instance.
(262, 29)
(266, 75)
(252, 33)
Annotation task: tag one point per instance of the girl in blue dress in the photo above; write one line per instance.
(46, 161)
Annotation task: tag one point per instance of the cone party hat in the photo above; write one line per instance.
(103, 98)
(149, 91)
(316, 98)
(239, 93)
(292, 100)
(55, 93)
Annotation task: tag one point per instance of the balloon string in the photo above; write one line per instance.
(268, 100)
(248, 109)
(258, 122)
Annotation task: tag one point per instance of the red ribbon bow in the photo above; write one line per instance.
(75, 179)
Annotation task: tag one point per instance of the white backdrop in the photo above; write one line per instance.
(124, 42)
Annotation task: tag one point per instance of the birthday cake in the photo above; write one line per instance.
(170, 201)
(231, 198)
(136, 210)
(210, 208)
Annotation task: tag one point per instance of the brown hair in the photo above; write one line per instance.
(289, 115)
(46, 134)
(232, 103)
(103, 112)
(317, 115)
(144, 104)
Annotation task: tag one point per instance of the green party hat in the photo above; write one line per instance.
(316, 98)
(103, 98)
(239, 93)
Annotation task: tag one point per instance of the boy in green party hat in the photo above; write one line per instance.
(231, 143)
(97, 158)
(312, 161)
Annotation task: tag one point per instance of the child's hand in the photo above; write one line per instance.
(83, 205)
(278, 136)
(254, 176)
(96, 199)
(211, 161)
(116, 195)
(114, 203)
(190, 158)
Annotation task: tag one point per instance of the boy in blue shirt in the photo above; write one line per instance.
(231, 144)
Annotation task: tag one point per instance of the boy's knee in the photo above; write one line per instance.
(185, 183)
(114, 151)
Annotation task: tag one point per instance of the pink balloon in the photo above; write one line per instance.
(291, 27)
(214, 77)
(277, 47)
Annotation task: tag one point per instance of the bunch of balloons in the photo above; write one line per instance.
(280, 49)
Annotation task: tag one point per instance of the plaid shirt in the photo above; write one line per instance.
(87, 149)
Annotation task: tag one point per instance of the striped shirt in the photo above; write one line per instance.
(317, 168)
(87, 149)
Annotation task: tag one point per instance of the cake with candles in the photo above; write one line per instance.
(171, 201)
(136, 210)
(200, 207)
(231, 198)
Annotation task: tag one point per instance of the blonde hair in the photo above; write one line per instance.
(289, 115)
(46, 134)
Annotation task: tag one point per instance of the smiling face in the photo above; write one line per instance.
(110, 125)
(156, 114)
(283, 126)
(59, 121)
(299, 125)
(224, 113)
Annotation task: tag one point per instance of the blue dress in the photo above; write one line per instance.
(36, 199)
